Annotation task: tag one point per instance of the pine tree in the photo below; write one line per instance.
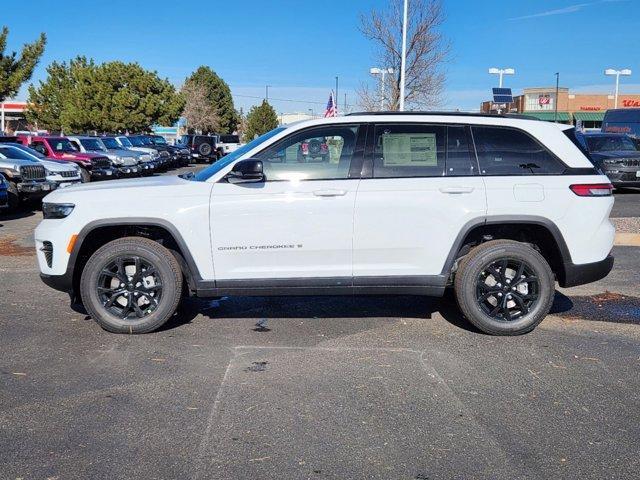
(260, 120)
(219, 94)
(14, 70)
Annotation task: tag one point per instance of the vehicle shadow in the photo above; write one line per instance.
(24, 210)
(259, 308)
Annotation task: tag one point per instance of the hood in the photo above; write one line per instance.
(14, 163)
(54, 166)
(80, 156)
(130, 183)
(144, 149)
(124, 153)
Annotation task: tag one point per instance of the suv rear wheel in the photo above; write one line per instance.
(504, 287)
(131, 285)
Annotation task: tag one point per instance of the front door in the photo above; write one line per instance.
(422, 187)
(299, 222)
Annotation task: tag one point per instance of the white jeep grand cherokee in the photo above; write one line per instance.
(497, 207)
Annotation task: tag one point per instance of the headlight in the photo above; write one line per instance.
(57, 210)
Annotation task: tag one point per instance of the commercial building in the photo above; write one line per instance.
(12, 116)
(585, 109)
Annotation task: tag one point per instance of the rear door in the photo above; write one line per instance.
(298, 224)
(421, 187)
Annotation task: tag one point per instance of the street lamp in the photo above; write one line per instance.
(617, 73)
(501, 72)
(383, 73)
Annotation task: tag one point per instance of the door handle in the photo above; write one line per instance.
(329, 193)
(456, 189)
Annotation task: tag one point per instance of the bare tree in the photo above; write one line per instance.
(427, 52)
(198, 111)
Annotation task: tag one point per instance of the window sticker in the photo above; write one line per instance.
(409, 150)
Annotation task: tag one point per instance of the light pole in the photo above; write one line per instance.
(617, 73)
(383, 74)
(403, 60)
(266, 92)
(555, 115)
(311, 112)
(501, 72)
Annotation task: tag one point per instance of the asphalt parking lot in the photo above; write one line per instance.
(330, 387)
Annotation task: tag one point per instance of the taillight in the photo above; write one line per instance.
(592, 189)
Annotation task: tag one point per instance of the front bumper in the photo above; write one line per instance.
(103, 173)
(147, 168)
(621, 176)
(35, 188)
(585, 273)
(128, 172)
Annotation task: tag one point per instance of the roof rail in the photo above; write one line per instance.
(450, 114)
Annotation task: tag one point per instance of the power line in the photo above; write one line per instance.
(281, 99)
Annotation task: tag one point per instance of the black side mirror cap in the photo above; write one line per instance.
(247, 171)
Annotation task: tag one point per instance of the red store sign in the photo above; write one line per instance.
(630, 103)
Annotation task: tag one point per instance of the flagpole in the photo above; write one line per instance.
(404, 54)
(336, 99)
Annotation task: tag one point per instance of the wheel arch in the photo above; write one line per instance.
(100, 232)
(538, 231)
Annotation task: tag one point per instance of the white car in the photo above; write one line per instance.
(497, 207)
(62, 174)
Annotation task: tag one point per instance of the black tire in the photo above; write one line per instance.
(205, 149)
(149, 253)
(85, 176)
(489, 289)
(14, 196)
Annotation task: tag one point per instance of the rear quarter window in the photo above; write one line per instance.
(509, 151)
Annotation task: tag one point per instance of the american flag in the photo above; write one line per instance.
(332, 110)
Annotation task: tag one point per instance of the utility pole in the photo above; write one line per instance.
(403, 63)
(555, 116)
(266, 94)
(336, 96)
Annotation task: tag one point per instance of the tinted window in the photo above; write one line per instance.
(61, 145)
(229, 139)
(409, 151)
(507, 151)
(110, 143)
(316, 154)
(9, 152)
(609, 143)
(136, 141)
(459, 161)
(39, 147)
(92, 144)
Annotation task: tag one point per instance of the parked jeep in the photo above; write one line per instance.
(134, 142)
(62, 174)
(229, 143)
(180, 154)
(92, 166)
(125, 163)
(26, 180)
(616, 154)
(145, 160)
(201, 147)
(163, 150)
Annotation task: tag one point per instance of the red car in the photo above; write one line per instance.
(92, 165)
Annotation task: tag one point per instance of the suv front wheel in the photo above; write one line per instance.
(131, 285)
(504, 287)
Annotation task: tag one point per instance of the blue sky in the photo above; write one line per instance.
(298, 47)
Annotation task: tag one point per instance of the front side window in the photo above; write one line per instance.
(409, 151)
(508, 151)
(92, 144)
(125, 142)
(322, 153)
(110, 143)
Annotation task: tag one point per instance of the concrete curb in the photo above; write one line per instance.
(627, 240)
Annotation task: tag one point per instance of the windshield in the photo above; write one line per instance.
(610, 143)
(110, 143)
(30, 151)
(92, 144)
(136, 141)
(61, 145)
(124, 141)
(203, 175)
(159, 140)
(16, 154)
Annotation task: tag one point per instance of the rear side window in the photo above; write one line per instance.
(508, 151)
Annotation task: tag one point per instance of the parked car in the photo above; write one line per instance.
(228, 143)
(496, 207)
(136, 143)
(26, 180)
(4, 196)
(164, 152)
(623, 120)
(180, 154)
(202, 147)
(92, 166)
(145, 160)
(125, 163)
(62, 174)
(616, 154)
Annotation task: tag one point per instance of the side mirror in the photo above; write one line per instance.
(246, 171)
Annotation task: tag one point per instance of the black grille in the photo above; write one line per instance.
(164, 153)
(101, 162)
(68, 174)
(32, 172)
(47, 249)
(631, 162)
